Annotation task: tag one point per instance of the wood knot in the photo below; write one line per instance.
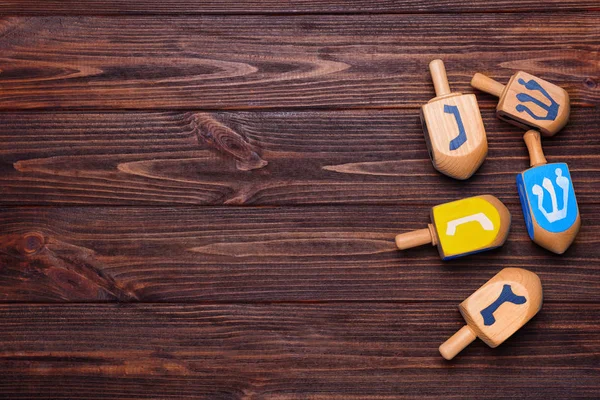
(227, 141)
(590, 83)
(30, 243)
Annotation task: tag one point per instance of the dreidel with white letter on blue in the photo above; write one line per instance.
(528, 102)
(497, 310)
(453, 128)
(548, 199)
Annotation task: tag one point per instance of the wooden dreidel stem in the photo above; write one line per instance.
(534, 147)
(457, 342)
(462, 227)
(488, 85)
(497, 310)
(528, 102)
(417, 238)
(548, 199)
(439, 78)
(453, 128)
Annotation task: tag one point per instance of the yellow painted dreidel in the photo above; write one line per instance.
(462, 227)
(548, 199)
(453, 128)
(497, 310)
(528, 102)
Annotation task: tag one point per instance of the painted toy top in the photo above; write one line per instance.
(453, 127)
(497, 310)
(528, 102)
(548, 199)
(462, 227)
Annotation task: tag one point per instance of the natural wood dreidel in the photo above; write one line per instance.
(548, 199)
(462, 227)
(453, 128)
(497, 310)
(528, 102)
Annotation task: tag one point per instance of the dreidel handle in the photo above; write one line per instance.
(486, 84)
(457, 342)
(533, 142)
(440, 80)
(417, 238)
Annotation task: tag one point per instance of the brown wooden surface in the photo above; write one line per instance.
(264, 158)
(248, 62)
(265, 254)
(198, 199)
(120, 7)
(322, 351)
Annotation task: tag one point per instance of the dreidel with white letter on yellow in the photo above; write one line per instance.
(528, 102)
(548, 199)
(497, 310)
(453, 128)
(462, 227)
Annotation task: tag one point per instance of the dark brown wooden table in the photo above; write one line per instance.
(199, 199)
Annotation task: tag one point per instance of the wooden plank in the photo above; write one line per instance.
(121, 7)
(263, 254)
(244, 62)
(284, 351)
(275, 158)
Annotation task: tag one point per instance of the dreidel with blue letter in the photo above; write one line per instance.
(462, 227)
(548, 199)
(496, 310)
(453, 128)
(528, 102)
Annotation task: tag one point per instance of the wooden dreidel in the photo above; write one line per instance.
(462, 227)
(548, 199)
(528, 102)
(453, 128)
(497, 310)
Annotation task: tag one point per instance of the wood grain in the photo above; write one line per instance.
(263, 254)
(131, 133)
(121, 7)
(289, 351)
(251, 62)
(263, 158)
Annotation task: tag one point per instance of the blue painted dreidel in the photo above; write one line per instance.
(528, 102)
(453, 128)
(497, 310)
(548, 199)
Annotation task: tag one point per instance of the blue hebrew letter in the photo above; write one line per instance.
(462, 136)
(551, 110)
(505, 296)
